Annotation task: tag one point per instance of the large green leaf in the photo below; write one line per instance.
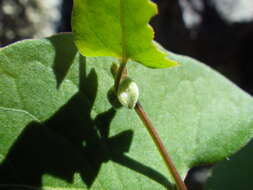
(58, 130)
(117, 28)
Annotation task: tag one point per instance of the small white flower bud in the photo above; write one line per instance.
(128, 93)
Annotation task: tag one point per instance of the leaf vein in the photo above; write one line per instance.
(21, 111)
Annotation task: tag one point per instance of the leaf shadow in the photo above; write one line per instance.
(64, 56)
(71, 142)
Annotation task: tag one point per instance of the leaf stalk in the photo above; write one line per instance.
(157, 140)
(122, 73)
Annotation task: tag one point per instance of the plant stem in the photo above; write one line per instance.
(122, 72)
(157, 140)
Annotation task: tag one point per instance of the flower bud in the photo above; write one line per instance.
(114, 69)
(111, 96)
(128, 93)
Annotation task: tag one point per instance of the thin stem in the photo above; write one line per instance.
(157, 140)
(122, 72)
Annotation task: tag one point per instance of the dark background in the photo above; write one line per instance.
(217, 32)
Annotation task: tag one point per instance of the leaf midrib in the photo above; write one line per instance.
(123, 32)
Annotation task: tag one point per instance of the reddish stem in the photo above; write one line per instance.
(157, 140)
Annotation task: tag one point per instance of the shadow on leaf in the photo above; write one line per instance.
(70, 142)
(64, 55)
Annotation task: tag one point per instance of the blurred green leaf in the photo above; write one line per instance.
(234, 173)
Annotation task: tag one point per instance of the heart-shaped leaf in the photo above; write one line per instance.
(58, 130)
(117, 28)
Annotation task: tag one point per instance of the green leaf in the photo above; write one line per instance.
(117, 28)
(234, 173)
(58, 130)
